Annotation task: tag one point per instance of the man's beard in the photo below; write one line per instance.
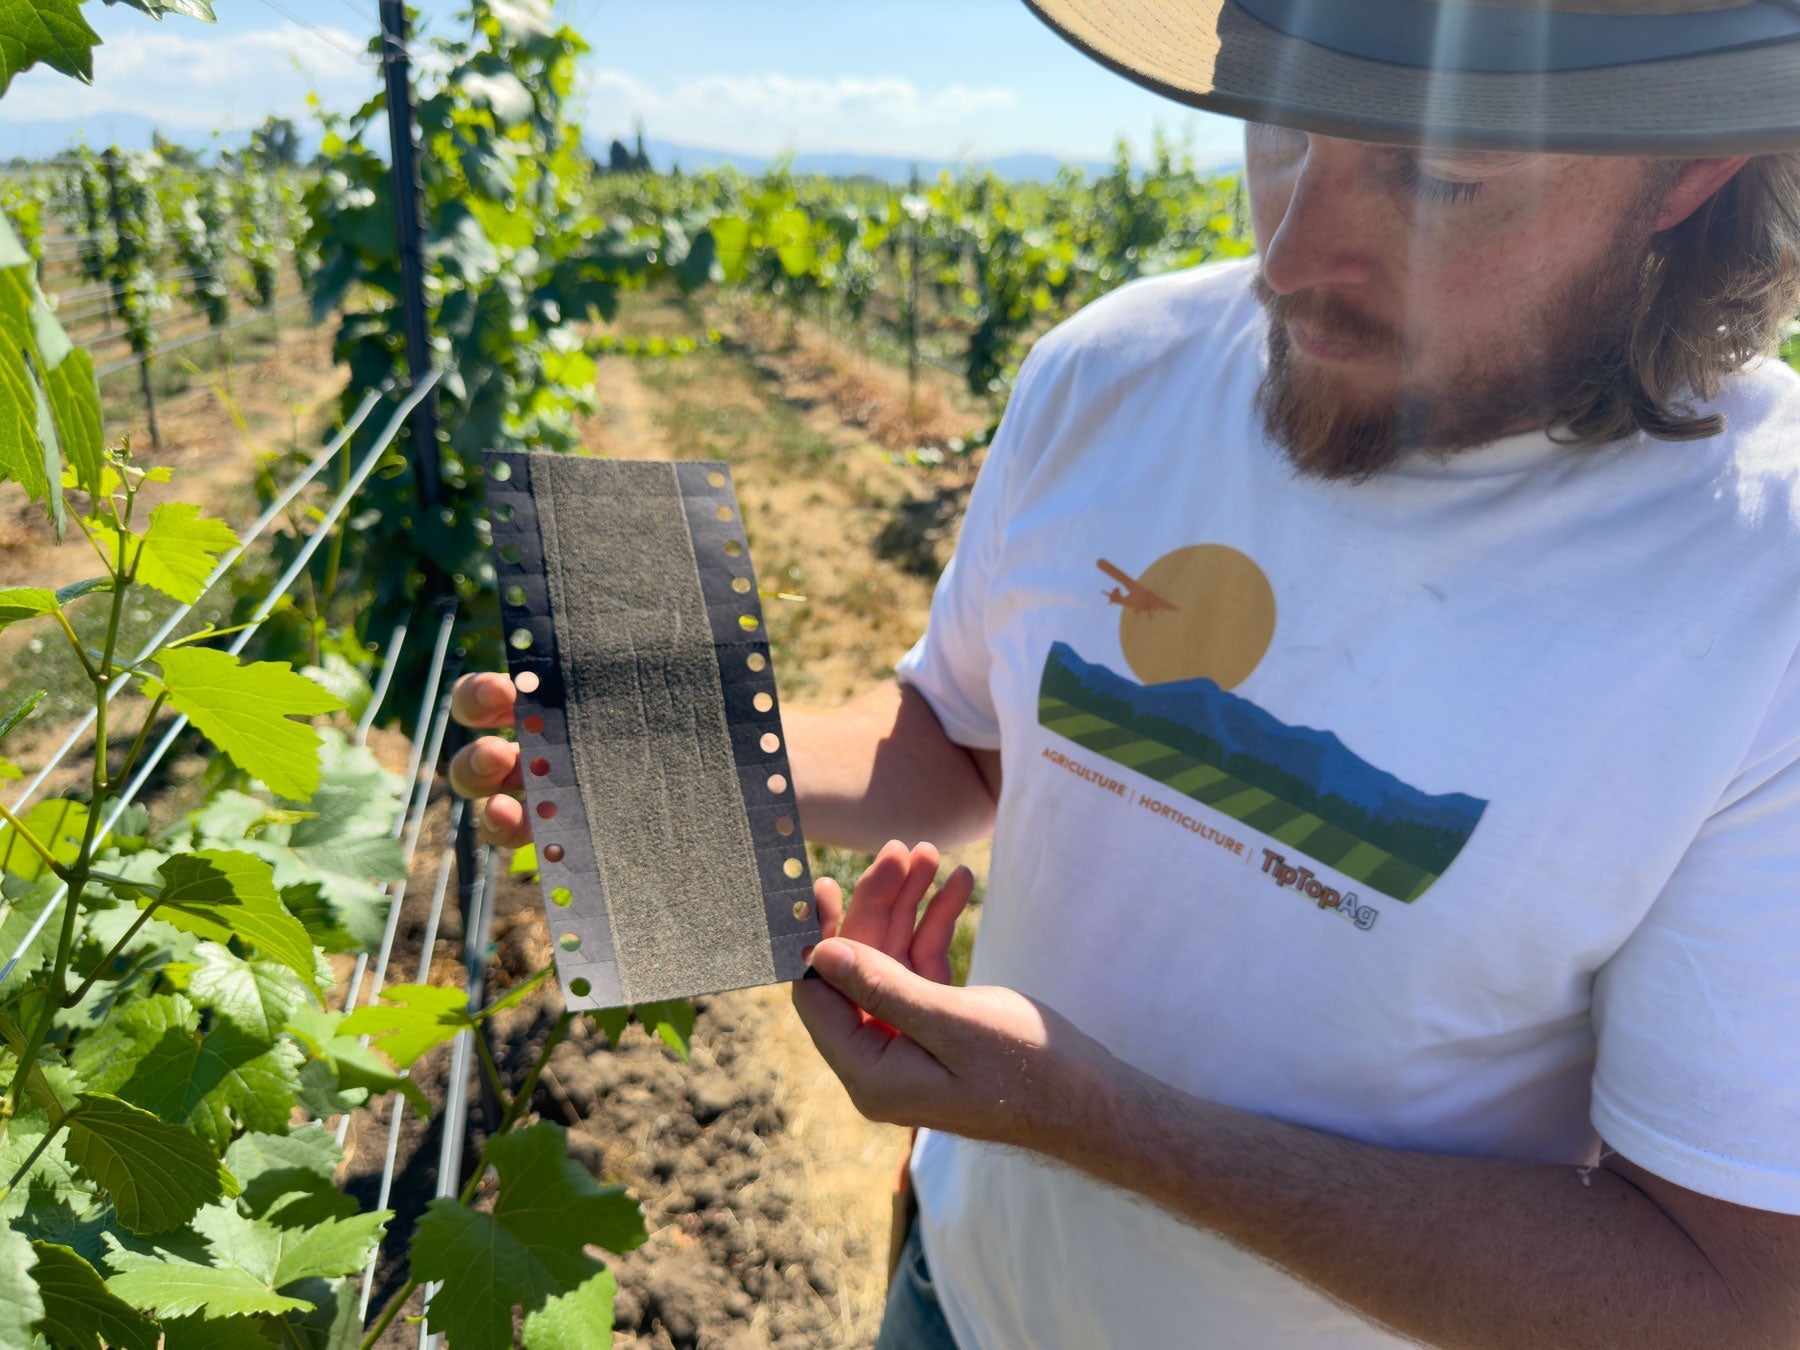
(1585, 337)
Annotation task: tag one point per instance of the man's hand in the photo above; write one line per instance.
(911, 1048)
(487, 770)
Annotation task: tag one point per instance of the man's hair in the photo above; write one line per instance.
(1717, 291)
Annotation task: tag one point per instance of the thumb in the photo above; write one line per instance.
(886, 990)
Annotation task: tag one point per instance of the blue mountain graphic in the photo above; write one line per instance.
(1305, 767)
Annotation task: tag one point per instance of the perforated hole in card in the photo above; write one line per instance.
(656, 778)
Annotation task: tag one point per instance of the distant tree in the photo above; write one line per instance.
(177, 156)
(276, 143)
(621, 159)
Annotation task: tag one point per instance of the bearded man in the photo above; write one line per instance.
(1376, 662)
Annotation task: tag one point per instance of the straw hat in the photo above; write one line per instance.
(1629, 77)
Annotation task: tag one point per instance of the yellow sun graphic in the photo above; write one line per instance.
(1202, 611)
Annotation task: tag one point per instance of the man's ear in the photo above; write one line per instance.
(1694, 186)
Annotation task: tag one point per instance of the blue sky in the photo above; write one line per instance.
(930, 78)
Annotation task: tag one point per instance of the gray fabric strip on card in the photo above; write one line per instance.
(681, 865)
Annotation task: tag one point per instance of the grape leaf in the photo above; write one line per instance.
(672, 1023)
(74, 396)
(280, 1256)
(216, 1333)
(79, 1312)
(178, 552)
(194, 9)
(531, 1249)
(51, 31)
(220, 894)
(32, 343)
(353, 1070)
(411, 1019)
(175, 1288)
(152, 1055)
(257, 997)
(248, 710)
(20, 713)
(20, 1302)
(157, 1174)
(21, 913)
(307, 902)
(335, 1323)
(58, 824)
(48, 1186)
(578, 1320)
(288, 1179)
(18, 603)
(611, 1023)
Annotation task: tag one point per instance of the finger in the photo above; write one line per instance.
(484, 699)
(871, 901)
(485, 767)
(888, 1077)
(887, 991)
(828, 901)
(502, 822)
(930, 950)
(921, 871)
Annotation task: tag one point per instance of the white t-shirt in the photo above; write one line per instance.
(1458, 810)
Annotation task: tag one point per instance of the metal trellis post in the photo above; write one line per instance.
(409, 226)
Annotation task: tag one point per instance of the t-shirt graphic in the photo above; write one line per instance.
(1192, 627)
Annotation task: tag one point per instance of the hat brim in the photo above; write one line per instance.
(1212, 54)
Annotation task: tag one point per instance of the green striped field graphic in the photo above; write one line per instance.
(1337, 849)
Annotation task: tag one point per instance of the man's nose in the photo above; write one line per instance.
(1325, 232)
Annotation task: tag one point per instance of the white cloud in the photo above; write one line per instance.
(765, 113)
(202, 81)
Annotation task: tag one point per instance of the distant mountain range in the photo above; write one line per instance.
(48, 138)
(1308, 769)
(666, 155)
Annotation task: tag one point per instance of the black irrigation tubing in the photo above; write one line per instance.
(301, 559)
(126, 363)
(226, 561)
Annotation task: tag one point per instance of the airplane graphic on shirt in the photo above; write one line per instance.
(1131, 593)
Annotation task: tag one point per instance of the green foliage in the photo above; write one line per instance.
(224, 895)
(49, 403)
(51, 31)
(177, 553)
(79, 1312)
(519, 265)
(203, 245)
(154, 1055)
(138, 241)
(257, 232)
(530, 1250)
(156, 1174)
(411, 1020)
(247, 711)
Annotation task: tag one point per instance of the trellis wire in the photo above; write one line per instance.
(399, 1099)
(455, 1116)
(263, 610)
(225, 563)
(379, 693)
(126, 363)
(419, 788)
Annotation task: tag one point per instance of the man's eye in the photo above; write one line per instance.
(1445, 190)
